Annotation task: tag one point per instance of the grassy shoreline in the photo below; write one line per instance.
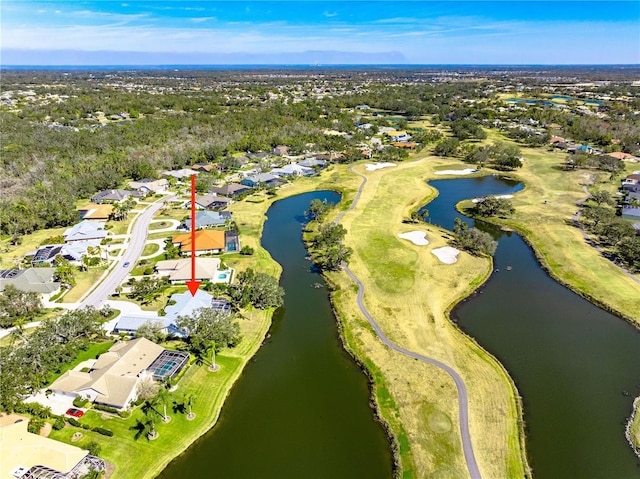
(438, 450)
(389, 390)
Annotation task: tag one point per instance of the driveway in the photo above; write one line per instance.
(58, 403)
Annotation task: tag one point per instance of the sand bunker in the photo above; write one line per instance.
(416, 237)
(466, 171)
(377, 166)
(447, 254)
(505, 197)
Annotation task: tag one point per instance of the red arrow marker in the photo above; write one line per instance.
(193, 285)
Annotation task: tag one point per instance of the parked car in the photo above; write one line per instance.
(74, 412)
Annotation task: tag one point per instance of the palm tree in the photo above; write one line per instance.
(150, 412)
(163, 398)
(150, 427)
(213, 366)
(191, 400)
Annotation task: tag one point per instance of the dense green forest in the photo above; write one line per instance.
(67, 135)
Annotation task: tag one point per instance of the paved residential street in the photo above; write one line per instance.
(132, 252)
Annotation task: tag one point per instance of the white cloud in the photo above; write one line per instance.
(203, 19)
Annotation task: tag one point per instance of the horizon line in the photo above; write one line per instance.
(311, 65)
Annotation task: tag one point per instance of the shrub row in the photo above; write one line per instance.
(110, 409)
(98, 429)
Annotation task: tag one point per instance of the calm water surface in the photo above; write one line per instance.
(301, 407)
(576, 366)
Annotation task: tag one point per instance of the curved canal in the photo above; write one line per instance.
(301, 408)
(576, 366)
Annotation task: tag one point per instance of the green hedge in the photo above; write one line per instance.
(103, 431)
(110, 409)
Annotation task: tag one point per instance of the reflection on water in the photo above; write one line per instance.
(576, 366)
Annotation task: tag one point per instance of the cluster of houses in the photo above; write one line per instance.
(77, 241)
(571, 147)
(631, 201)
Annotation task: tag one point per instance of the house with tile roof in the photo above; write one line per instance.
(183, 305)
(207, 241)
(204, 167)
(148, 185)
(179, 270)
(37, 280)
(622, 156)
(229, 190)
(113, 378)
(85, 231)
(96, 212)
(209, 219)
(27, 455)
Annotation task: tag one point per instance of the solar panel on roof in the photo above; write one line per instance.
(9, 273)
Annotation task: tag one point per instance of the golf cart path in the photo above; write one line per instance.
(463, 401)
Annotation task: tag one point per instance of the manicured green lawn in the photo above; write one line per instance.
(92, 352)
(159, 225)
(85, 281)
(27, 243)
(409, 293)
(140, 457)
(170, 213)
(120, 227)
(150, 249)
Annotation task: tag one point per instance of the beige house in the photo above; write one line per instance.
(23, 454)
(148, 185)
(113, 379)
(179, 270)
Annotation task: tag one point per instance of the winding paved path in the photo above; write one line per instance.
(463, 400)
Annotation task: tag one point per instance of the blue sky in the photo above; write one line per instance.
(418, 32)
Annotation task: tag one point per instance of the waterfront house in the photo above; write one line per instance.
(229, 190)
(208, 242)
(262, 179)
(209, 219)
(113, 379)
(181, 304)
(29, 456)
(179, 270)
(293, 170)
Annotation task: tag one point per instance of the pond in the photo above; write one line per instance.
(301, 408)
(576, 366)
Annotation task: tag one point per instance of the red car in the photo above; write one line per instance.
(74, 412)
